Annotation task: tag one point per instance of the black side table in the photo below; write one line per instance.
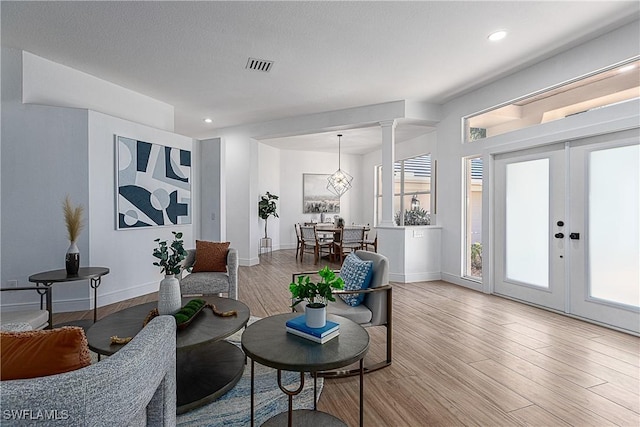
(268, 343)
(48, 278)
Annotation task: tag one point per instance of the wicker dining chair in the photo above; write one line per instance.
(312, 244)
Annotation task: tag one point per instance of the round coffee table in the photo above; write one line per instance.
(207, 366)
(268, 343)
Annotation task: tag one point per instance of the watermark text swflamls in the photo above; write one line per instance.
(33, 415)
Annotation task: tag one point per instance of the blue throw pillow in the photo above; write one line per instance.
(356, 274)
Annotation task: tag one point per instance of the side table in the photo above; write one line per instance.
(48, 278)
(207, 365)
(268, 343)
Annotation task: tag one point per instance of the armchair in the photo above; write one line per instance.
(211, 283)
(29, 319)
(375, 310)
(134, 387)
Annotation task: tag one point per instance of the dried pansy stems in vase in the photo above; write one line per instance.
(73, 219)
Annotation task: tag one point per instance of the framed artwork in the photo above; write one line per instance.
(153, 184)
(315, 196)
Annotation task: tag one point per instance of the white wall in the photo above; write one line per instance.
(269, 171)
(44, 157)
(294, 165)
(211, 172)
(48, 152)
(601, 52)
(126, 252)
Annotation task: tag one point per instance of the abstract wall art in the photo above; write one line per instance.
(315, 196)
(153, 185)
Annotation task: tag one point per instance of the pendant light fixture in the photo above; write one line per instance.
(340, 181)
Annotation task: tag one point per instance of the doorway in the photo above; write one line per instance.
(567, 228)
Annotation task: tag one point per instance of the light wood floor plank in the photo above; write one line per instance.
(464, 358)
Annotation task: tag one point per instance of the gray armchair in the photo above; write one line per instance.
(375, 310)
(134, 387)
(211, 283)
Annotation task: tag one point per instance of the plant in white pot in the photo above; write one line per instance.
(170, 259)
(317, 295)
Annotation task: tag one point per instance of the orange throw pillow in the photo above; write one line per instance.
(34, 354)
(210, 256)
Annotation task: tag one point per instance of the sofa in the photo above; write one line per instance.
(134, 387)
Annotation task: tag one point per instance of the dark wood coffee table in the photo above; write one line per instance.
(268, 343)
(207, 366)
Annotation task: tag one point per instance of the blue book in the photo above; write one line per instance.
(299, 324)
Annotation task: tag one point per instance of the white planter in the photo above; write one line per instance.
(169, 298)
(315, 317)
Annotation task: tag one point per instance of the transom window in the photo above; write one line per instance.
(611, 86)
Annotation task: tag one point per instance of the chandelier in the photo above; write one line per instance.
(340, 181)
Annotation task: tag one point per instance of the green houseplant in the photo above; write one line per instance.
(170, 261)
(170, 256)
(317, 295)
(266, 208)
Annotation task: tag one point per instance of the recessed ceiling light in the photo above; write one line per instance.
(207, 120)
(627, 68)
(498, 35)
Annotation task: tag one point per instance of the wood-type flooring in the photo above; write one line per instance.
(463, 358)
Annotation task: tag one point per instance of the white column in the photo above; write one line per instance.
(388, 158)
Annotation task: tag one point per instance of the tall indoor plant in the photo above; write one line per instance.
(73, 218)
(266, 208)
(317, 295)
(170, 259)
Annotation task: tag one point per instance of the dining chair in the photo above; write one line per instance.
(298, 238)
(311, 242)
(351, 239)
(371, 241)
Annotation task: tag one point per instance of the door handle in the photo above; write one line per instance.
(574, 236)
(559, 235)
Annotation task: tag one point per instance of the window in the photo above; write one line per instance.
(611, 86)
(473, 219)
(412, 191)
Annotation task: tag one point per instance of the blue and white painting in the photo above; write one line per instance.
(154, 185)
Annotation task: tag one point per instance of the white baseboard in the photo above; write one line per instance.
(414, 277)
(461, 281)
(83, 304)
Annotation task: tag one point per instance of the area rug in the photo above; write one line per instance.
(233, 409)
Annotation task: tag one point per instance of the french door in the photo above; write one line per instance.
(567, 228)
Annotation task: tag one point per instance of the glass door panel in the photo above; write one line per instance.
(527, 222)
(529, 203)
(614, 245)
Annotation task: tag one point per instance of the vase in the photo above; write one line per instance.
(315, 317)
(72, 259)
(169, 298)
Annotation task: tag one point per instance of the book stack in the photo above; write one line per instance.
(298, 326)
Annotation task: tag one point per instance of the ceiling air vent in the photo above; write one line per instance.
(259, 65)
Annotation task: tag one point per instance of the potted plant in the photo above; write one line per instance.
(170, 259)
(266, 208)
(317, 295)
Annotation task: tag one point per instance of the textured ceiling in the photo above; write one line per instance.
(327, 55)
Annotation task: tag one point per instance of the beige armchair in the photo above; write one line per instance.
(375, 310)
(211, 283)
(25, 320)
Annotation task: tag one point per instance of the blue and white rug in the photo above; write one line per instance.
(233, 409)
